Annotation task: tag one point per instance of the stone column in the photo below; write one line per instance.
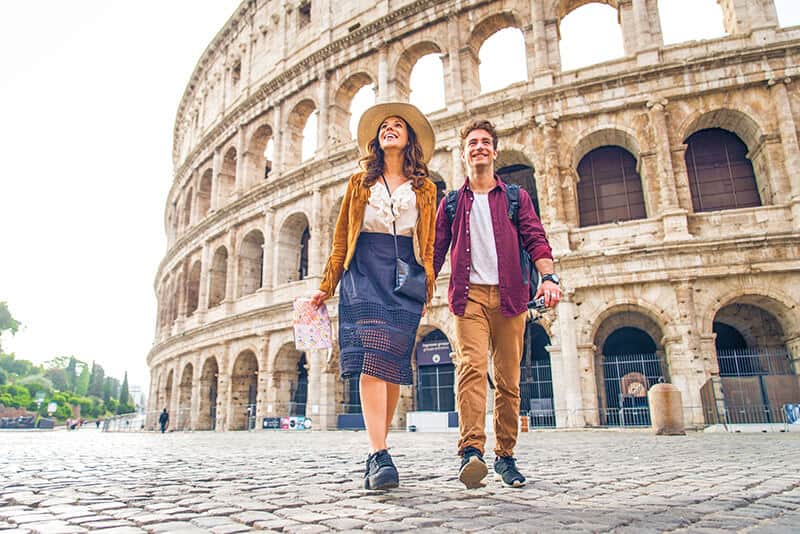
(194, 413)
(789, 142)
(382, 91)
(588, 381)
(323, 128)
(216, 165)
(269, 248)
(205, 281)
(570, 410)
(458, 167)
(758, 17)
(262, 385)
(454, 86)
(646, 29)
(674, 219)
(241, 180)
(793, 346)
(315, 252)
(469, 62)
(277, 139)
(684, 359)
(541, 73)
(553, 211)
(232, 271)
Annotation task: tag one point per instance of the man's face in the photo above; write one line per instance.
(478, 150)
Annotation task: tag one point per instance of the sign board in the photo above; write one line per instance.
(271, 423)
(433, 353)
(792, 412)
(52, 407)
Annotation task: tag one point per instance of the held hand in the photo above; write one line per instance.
(318, 298)
(551, 293)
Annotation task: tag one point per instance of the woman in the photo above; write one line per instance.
(377, 326)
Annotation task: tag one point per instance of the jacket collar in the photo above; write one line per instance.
(500, 183)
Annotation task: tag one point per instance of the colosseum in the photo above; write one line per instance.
(668, 180)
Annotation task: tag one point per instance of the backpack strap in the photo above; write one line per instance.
(512, 194)
(450, 204)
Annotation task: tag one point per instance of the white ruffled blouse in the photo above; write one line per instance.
(379, 212)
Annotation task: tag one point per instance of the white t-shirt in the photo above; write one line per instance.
(483, 250)
(381, 211)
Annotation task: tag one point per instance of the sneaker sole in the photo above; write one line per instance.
(515, 484)
(382, 480)
(472, 474)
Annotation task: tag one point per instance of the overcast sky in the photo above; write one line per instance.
(88, 95)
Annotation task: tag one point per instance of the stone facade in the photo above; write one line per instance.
(233, 265)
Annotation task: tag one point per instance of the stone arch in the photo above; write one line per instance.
(742, 124)
(293, 250)
(290, 380)
(226, 179)
(490, 25)
(651, 320)
(575, 51)
(187, 209)
(193, 288)
(184, 415)
(558, 9)
(166, 399)
(405, 64)
(293, 140)
(218, 277)
(204, 194)
(251, 263)
(244, 391)
(615, 135)
(780, 306)
(515, 167)
(340, 111)
(258, 165)
(209, 383)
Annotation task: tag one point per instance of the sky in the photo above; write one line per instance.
(88, 95)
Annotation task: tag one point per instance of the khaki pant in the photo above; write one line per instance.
(484, 326)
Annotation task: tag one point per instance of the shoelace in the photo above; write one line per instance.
(510, 463)
(383, 459)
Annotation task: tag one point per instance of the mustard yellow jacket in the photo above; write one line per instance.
(348, 228)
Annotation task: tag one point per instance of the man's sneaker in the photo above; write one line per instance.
(381, 472)
(473, 468)
(505, 468)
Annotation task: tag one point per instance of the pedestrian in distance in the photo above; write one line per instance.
(385, 229)
(488, 295)
(163, 420)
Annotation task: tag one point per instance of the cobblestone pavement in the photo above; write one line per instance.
(592, 481)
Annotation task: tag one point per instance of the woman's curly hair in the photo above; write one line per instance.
(413, 166)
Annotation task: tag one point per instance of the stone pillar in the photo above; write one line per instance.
(453, 83)
(627, 22)
(552, 38)
(323, 128)
(758, 17)
(205, 281)
(231, 275)
(194, 413)
(382, 91)
(789, 142)
(570, 409)
(685, 362)
(269, 248)
(315, 252)
(241, 180)
(277, 136)
(223, 398)
(458, 167)
(326, 419)
(541, 73)
(216, 165)
(552, 209)
(647, 31)
(262, 385)
(793, 347)
(588, 377)
(674, 219)
(469, 63)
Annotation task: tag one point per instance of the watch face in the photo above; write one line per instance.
(552, 277)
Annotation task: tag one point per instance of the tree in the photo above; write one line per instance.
(72, 373)
(110, 388)
(124, 394)
(7, 321)
(16, 367)
(96, 381)
(58, 376)
(82, 384)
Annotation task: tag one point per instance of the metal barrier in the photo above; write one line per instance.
(131, 422)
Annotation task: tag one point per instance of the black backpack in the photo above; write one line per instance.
(530, 276)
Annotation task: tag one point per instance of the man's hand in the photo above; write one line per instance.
(318, 298)
(551, 293)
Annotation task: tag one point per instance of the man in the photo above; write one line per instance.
(163, 420)
(489, 299)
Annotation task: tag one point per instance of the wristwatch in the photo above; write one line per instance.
(553, 277)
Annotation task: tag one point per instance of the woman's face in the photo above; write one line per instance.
(393, 134)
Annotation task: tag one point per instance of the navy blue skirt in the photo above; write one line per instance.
(377, 327)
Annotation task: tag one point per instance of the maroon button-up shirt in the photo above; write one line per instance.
(513, 292)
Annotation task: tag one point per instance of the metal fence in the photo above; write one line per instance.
(626, 380)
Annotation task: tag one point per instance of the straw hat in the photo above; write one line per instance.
(374, 116)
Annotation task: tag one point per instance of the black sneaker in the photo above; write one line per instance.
(381, 472)
(473, 468)
(505, 468)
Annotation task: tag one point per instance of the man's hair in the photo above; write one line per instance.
(479, 124)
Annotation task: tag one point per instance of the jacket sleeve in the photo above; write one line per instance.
(443, 237)
(531, 230)
(335, 264)
(431, 276)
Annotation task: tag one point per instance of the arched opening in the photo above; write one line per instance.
(184, 415)
(349, 415)
(673, 15)
(227, 178)
(259, 163)
(167, 394)
(187, 210)
(244, 392)
(520, 173)
(502, 60)
(629, 362)
(755, 365)
(209, 380)
(355, 95)
(218, 277)
(721, 175)
(601, 21)
(204, 195)
(362, 100)
(293, 249)
(426, 83)
(788, 13)
(193, 289)
(251, 263)
(610, 188)
(301, 133)
(290, 377)
(435, 374)
(441, 186)
(536, 378)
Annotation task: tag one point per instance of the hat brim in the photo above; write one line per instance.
(372, 118)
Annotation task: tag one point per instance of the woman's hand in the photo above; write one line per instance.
(318, 298)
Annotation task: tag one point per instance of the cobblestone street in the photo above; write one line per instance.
(593, 481)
